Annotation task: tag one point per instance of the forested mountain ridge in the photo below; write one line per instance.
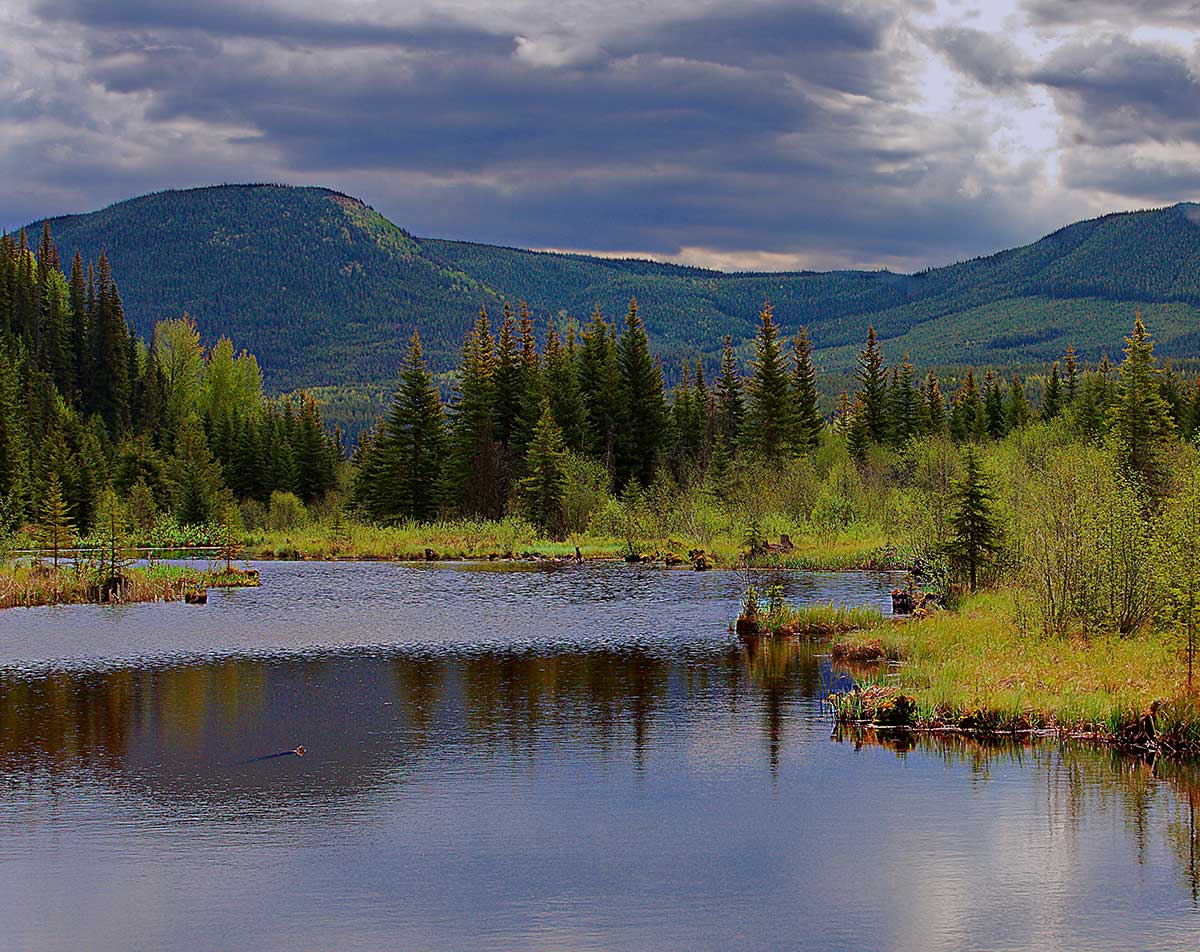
(327, 290)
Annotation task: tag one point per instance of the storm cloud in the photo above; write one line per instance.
(785, 134)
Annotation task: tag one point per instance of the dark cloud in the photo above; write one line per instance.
(223, 18)
(1115, 91)
(788, 127)
(1134, 12)
(1123, 172)
(990, 60)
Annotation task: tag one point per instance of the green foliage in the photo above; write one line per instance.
(286, 511)
(975, 535)
(543, 487)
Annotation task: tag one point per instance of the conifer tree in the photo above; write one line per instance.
(476, 472)
(769, 426)
(510, 383)
(14, 447)
(1017, 412)
(933, 406)
(731, 404)
(994, 405)
(599, 380)
(968, 411)
(56, 531)
(562, 387)
(687, 424)
(402, 474)
(543, 487)
(904, 405)
(1071, 379)
(976, 537)
(109, 364)
(81, 345)
(807, 421)
(1052, 398)
(872, 395)
(643, 407)
(1140, 418)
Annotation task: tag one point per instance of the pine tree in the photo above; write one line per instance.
(933, 406)
(768, 425)
(599, 377)
(871, 375)
(510, 382)
(807, 421)
(1071, 380)
(477, 471)
(731, 404)
(1017, 412)
(1140, 418)
(976, 537)
(543, 487)
(403, 474)
(562, 387)
(109, 365)
(1052, 398)
(56, 531)
(643, 407)
(994, 406)
(967, 411)
(904, 405)
(14, 448)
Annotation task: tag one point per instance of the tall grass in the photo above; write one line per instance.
(29, 586)
(975, 669)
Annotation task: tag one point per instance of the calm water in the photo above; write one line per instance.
(579, 759)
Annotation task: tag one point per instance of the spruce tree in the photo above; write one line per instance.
(1071, 379)
(599, 377)
(968, 411)
(510, 382)
(643, 407)
(904, 404)
(476, 472)
(994, 405)
(403, 475)
(1052, 398)
(1017, 412)
(56, 531)
(543, 487)
(975, 530)
(562, 387)
(872, 395)
(806, 418)
(109, 364)
(768, 428)
(1140, 418)
(731, 404)
(933, 406)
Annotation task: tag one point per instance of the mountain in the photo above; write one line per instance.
(325, 290)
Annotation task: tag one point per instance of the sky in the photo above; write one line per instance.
(738, 135)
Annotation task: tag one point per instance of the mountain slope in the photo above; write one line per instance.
(325, 290)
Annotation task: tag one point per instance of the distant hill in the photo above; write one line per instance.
(325, 290)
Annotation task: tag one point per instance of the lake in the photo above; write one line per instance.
(579, 758)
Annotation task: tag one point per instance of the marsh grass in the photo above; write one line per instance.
(821, 620)
(515, 538)
(29, 586)
(976, 670)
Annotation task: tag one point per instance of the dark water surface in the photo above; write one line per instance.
(579, 759)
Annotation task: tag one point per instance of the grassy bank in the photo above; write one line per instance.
(975, 669)
(30, 586)
(516, 539)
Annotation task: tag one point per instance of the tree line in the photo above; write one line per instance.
(171, 429)
(590, 404)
